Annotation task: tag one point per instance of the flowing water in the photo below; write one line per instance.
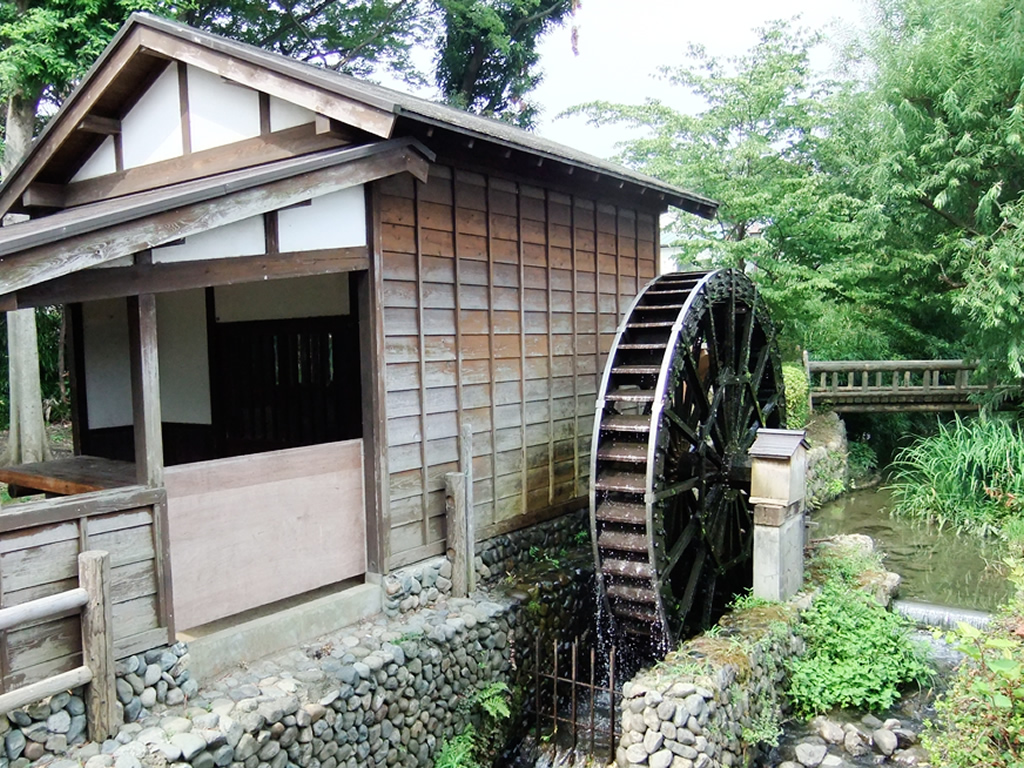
(937, 566)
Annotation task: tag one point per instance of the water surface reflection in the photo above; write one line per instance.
(937, 566)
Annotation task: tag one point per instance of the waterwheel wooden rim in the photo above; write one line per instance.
(693, 373)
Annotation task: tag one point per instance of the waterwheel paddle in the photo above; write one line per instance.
(693, 373)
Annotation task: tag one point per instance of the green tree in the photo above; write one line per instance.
(950, 171)
(775, 146)
(487, 59)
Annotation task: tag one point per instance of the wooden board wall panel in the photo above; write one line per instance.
(535, 282)
(234, 515)
(48, 641)
(47, 563)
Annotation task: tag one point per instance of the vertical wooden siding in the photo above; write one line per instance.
(500, 301)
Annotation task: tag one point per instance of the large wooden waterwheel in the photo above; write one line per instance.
(693, 373)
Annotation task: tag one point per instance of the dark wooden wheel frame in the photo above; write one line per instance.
(693, 373)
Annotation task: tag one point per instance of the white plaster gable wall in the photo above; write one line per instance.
(220, 112)
(284, 114)
(100, 163)
(151, 131)
(337, 220)
(241, 238)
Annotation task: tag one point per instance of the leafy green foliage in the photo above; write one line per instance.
(798, 407)
(981, 715)
(487, 61)
(474, 746)
(967, 476)
(52, 376)
(786, 154)
(862, 459)
(949, 121)
(858, 653)
(459, 751)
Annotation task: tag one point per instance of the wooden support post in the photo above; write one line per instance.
(98, 644)
(466, 462)
(142, 344)
(458, 546)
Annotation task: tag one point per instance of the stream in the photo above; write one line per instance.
(937, 567)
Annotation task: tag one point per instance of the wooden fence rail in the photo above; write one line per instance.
(91, 597)
(891, 385)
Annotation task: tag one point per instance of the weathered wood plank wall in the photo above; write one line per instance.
(39, 546)
(500, 301)
(250, 530)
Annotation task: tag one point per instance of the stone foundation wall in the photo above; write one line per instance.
(423, 584)
(705, 703)
(383, 693)
(155, 679)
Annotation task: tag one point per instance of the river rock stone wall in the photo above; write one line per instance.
(158, 678)
(387, 692)
(705, 703)
(423, 584)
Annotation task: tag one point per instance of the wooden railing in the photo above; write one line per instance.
(92, 598)
(891, 385)
(40, 542)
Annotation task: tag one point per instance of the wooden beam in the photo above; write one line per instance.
(292, 142)
(348, 110)
(73, 112)
(93, 284)
(53, 260)
(328, 126)
(61, 509)
(40, 195)
(142, 347)
(98, 644)
(105, 126)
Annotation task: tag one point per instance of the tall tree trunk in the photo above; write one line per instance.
(27, 439)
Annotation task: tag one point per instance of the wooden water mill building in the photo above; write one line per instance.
(288, 290)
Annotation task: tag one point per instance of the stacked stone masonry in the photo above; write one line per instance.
(386, 692)
(423, 584)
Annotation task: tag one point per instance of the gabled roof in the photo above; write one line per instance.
(366, 106)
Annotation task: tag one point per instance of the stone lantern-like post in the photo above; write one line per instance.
(777, 491)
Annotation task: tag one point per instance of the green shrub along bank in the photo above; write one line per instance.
(980, 718)
(858, 653)
(969, 476)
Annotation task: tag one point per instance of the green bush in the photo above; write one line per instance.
(981, 715)
(858, 653)
(862, 459)
(794, 378)
(969, 476)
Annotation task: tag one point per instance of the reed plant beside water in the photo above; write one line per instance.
(969, 477)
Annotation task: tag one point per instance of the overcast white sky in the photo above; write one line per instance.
(623, 42)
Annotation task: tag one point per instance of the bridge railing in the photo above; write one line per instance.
(891, 384)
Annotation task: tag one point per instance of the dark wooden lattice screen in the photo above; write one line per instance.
(286, 383)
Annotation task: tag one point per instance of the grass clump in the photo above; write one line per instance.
(981, 715)
(798, 407)
(475, 745)
(969, 477)
(858, 653)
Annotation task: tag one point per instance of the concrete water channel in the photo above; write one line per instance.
(937, 566)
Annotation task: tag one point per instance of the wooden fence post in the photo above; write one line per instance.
(455, 511)
(98, 644)
(466, 459)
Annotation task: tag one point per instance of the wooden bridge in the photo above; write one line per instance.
(880, 386)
